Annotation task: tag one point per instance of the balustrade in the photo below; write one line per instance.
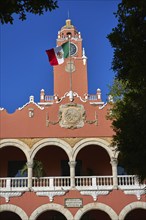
(94, 182)
(129, 182)
(59, 183)
(13, 183)
(92, 97)
(49, 98)
(51, 183)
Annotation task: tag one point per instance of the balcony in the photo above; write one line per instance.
(58, 183)
(13, 184)
(51, 183)
(87, 185)
(13, 187)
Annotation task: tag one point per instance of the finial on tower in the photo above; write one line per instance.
(68, 13)
(68, 22)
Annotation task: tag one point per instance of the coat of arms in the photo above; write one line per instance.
(71, 116)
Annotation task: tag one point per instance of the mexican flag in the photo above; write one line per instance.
(57, 55)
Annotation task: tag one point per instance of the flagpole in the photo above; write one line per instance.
(70, 67)
(70, 72)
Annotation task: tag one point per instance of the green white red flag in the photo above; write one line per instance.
(57, 55)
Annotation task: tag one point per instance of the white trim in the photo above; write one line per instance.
(45, 103)
(103, 106)
(52, 206)
(30, 101)
(16, 143)
(49, 142)
(96, 103)
(96, 206)
(92, 141)
(130, 207)
(15, 209)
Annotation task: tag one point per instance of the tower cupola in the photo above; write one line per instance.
(68, 30)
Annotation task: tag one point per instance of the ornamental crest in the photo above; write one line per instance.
(71, 116)
(70, 67)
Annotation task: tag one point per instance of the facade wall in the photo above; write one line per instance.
(116, 205)
(20, 125)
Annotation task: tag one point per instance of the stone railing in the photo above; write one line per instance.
(13, 187)
(57, 186)
(92, 97)
(131, 185)
(51, 183)
(130, 182)
(13, 184)
(49, 98)
(94, 182)
(81, 182)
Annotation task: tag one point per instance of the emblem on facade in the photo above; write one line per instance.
(71, 116)
(70, 67)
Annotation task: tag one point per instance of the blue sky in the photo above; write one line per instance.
(25, 69)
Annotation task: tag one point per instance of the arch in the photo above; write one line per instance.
(16, 143)
(130, 207)
(52, 206)
(92, 141)
(51, 141)
(98, 206)
(15, 209)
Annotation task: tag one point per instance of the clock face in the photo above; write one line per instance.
(73, 49)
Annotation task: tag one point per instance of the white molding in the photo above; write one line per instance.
(45, 103)
(98, 103)
(51, 194)
(94, 193)
(30, 101)
(7, 195)
(96, 206)
(95, 141)
(130, 207)
(16, 143)
(51, 206)
(14, 208)
(136, 192)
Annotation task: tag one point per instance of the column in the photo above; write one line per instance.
(114, 163)
(72, 165)
(30, 171)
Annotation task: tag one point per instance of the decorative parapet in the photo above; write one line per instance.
(31, 100)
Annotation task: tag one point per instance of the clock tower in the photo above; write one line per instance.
(72, 74)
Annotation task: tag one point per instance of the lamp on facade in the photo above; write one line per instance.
(30, 112)
(84, 57)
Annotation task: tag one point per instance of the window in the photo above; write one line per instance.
(14, 168)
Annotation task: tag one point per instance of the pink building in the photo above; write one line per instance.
(70, 135)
